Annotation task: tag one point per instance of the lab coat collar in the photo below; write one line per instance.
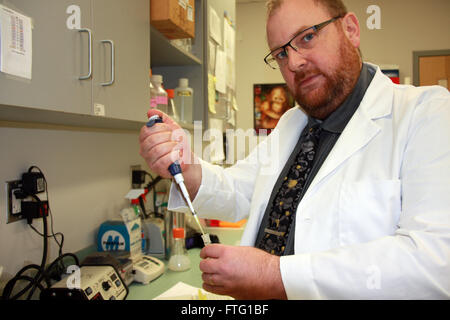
(362, 127)
(337, 121)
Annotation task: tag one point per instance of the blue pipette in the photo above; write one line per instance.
(175, 171)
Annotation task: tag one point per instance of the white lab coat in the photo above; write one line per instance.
(375, 221)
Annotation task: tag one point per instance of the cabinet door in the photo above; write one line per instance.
(60, 57)
(127, 25)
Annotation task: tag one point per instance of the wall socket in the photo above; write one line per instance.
(133, 168)
(13, 205)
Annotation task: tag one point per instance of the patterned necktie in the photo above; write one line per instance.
(286, 201)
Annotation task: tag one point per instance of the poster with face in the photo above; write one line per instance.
(270, 102)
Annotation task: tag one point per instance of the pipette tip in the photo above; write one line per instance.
(206, 239)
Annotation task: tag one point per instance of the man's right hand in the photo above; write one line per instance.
(163, 144)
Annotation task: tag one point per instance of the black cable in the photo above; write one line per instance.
(151, 185)
(43, 274)
(59, 262)
(151, 177)
(37, 279)
(49, 210)
(10, 285)
(39, 276)
(61, 257)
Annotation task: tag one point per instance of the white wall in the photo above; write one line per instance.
(88, 175)
(406, 26)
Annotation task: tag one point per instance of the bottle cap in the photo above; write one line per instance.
(170, 93)
(183, 82)
(157, 78)
(178, 233)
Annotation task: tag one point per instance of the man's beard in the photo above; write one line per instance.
(321, 102)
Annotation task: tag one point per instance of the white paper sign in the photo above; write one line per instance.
(15, 43)
(229, 39)
(214, 26)
(221, 71)
(215, 136)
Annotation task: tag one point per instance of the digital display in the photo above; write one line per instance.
(98, 296)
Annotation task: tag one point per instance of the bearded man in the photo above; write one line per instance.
(354, 203)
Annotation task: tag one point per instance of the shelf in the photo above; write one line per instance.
(163, 53)
(187, 126)
(34, 115)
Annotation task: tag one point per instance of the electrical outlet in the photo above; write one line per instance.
(13, 205)
(133, 168)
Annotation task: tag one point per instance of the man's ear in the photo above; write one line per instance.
(350, 26)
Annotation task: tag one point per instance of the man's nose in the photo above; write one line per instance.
(296, 59)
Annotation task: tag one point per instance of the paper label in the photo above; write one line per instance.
(99, 109)
(184, 93)
(182, 3)
(15, 43)
(161, 100)
(190, 13)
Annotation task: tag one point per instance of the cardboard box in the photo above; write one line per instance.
(175, 19)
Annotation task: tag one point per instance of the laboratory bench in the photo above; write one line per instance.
(192, 276)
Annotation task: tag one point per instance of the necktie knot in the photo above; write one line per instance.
(314, 131)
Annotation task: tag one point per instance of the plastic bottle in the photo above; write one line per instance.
(158, 96)
(172, 109)
(179, 260)
(152, 92)
(184, 101)
(136, 208)
(152, 98)
(138, 213)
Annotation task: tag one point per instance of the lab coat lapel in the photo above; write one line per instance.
(361, 129)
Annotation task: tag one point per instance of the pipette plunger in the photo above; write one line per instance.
(175, 171)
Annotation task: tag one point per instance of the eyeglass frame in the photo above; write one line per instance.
(316, 28)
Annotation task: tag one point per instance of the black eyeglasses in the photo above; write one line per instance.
(305, 39)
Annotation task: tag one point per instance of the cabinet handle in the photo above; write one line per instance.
(89, 75)
(113, 63)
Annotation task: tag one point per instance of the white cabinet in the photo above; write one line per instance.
(59, 57)
(56, 94)
(119, 44)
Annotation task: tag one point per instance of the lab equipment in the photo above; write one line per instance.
(175, 171)
(120, 261)
(147, 269)
(179, 260)
(184, 100)
(117, 235)
(158, 96)
(88, 283)
(135, 205)
(154, 235)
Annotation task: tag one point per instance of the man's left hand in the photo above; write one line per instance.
(241, 272)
